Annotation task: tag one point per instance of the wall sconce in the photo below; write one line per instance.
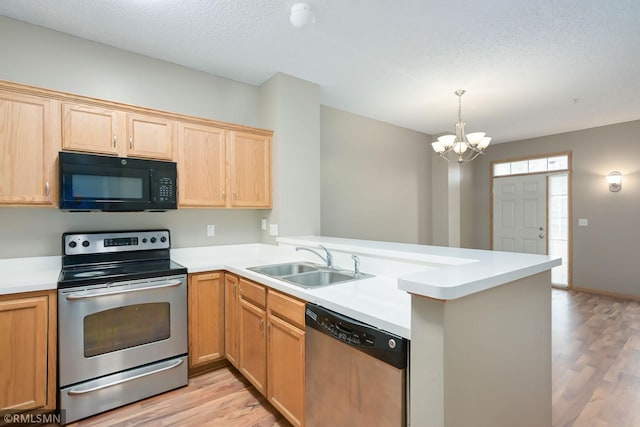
(615, 181)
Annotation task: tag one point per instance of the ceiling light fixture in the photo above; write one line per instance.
(461, 147)
(300, 15)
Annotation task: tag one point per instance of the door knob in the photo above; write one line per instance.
(541, 228)
(541, 236)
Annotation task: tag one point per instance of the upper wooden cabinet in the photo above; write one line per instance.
(223, 168)
(249, 170)
(201, 166)
(28, 149)
(103, 130)
(150, 137)
(91, 129)
(220, 165)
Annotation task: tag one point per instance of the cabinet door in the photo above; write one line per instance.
(249, 170)
(253, 348)
(149, 137)
(28, 148)
(92, 129)
(201, 166)
(206, 318)
(231, 332)
(23, 361)
(286, 369)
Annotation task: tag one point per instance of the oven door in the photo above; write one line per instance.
(108, 328)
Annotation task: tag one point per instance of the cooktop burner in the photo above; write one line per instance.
(93, 274)
(103, 257)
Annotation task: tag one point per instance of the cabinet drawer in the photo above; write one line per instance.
(253, 292)
(287, 308)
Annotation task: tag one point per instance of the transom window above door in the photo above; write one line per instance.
(536, 165)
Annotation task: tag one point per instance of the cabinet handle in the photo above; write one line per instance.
(235, 195)
(47, 189)
(114, 140)
(224, 195)
(130, 142)
(235, 292)
(262, 327)
(268, 330)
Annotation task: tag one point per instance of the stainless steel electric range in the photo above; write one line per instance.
(122, 320)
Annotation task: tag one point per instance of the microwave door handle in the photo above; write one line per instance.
(167, 284)
(153, 185)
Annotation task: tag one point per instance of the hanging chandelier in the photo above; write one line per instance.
(461, 147)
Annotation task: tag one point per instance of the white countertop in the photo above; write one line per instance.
(448, 273)
(29, 274)
(383, 301)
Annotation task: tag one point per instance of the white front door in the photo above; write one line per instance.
(520, 214)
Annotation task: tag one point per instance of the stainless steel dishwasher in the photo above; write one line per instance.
(355, 373)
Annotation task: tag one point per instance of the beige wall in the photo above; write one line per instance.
(453, 207)
(605, 254)
(291, 108)
(376, 179)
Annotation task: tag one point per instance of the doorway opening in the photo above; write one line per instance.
(524, 220)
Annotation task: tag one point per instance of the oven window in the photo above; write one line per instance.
(124, 327)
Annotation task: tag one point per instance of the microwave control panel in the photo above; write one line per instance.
(166, 189)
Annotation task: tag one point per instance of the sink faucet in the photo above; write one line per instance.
(356, 266)
(328, 259)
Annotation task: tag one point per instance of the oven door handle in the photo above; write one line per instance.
(73, 392)
(168, 284)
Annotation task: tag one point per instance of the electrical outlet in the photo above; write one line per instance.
(211, 230)
(264, 224)
(273, 229)
(583, 222)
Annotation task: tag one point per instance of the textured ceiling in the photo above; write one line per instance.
(530, 67)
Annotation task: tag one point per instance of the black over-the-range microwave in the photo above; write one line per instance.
(90, 182)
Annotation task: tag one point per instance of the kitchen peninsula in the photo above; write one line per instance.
(479, 321)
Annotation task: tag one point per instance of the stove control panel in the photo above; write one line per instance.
(115, 241)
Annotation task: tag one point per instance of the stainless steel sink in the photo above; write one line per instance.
(307, 274)
(319, 278)
(286, 269)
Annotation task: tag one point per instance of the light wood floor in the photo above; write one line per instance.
(596, 377)
(596, 361)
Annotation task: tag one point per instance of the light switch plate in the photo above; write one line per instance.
(264, 224)
(211, 230)
(273, 229)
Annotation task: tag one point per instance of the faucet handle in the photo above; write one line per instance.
(356, 266)
(329, 256)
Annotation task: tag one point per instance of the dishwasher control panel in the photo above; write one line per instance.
(345, 332)
(369, 339)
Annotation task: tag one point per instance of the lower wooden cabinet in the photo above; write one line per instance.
(272, 347)
(231, 319)
(253, 344)
(28, 358)
(286, 356)
(206, 318)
